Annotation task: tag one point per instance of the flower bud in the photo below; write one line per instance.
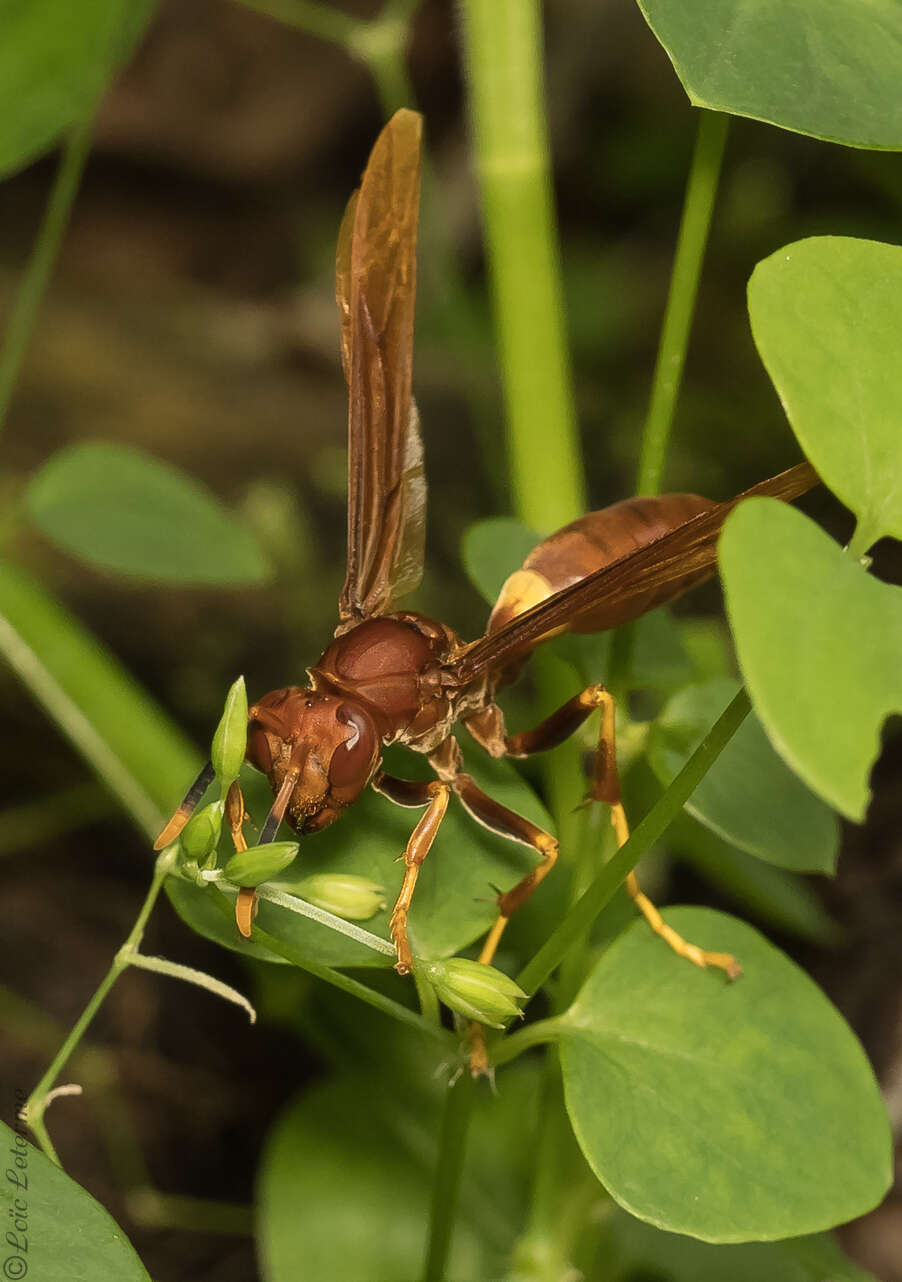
(200, 836)
(480, 992)
(260, 863)
(230, 739)
(344, 894)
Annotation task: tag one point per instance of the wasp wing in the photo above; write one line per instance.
(687, 552)
(375, 289)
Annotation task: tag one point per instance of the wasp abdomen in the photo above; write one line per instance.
(590, 543)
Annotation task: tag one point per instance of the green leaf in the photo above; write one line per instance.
(493, 549)
(658, 658)
(350, 1145)
(829, 68)
(126, 738)
(729, 1112)
(748, 797)
(826, 314)
(455, 897)
(674, 1258)
(783, 900)
(120, 509)
(67, 1234)
(56, 59)
(818, 641)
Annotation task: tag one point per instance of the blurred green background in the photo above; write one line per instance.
(192, 315)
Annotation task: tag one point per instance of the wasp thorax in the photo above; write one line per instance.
(326, 744)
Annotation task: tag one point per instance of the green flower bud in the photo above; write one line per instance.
(472, 989)
(260, 863)
(343, 894)
(200, 836)
(230, 739)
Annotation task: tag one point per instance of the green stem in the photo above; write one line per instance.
(316, 19)
(336, 978)
(381, 45)
(541, 1251)
(37, 1101)
(456, 1116)
(40, 265)
(340, 925)
(503, 56)
(693, 235)
(537, 1034)
(863, 539)
(400, 10)
(33, 825)
(655, 823)
(428, 999)
(155, 1210)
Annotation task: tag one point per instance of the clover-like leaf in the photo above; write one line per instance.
(671, 1256)
(345, 1145)
(826, 315)
(819, 643)
(56, 59)
(729, 1112)
(121, 509)
(53, 1227)
(749, 796)
(829, 68)
(493, 549)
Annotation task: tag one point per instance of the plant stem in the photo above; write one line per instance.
(536, 1034)
(316, 19)
(41, 262)
(503, 55)
(428, 999)
(381, 46)
(693, 235)
(587, 908)
(152, 1209)
(33, 825)
(456, 1116)
(37, 1101)
(336, 978)
(340, 925)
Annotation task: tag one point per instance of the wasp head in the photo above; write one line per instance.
(318, 751)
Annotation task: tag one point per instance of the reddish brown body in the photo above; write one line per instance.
(586, 546)
(392, 676)
(403, 677)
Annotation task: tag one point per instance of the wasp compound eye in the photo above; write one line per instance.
(258, 752)
(352, 759)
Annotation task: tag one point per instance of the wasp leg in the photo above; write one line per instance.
(487, 727)
(446, 761)
(246, 903)
(186, 809)
(406, 792)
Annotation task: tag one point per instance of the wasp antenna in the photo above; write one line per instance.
(186, 809)
(279, 806)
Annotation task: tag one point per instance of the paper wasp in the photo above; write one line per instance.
(395, 676)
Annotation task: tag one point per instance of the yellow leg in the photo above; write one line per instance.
(246, 903)
(691, 952)
(415, 852)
